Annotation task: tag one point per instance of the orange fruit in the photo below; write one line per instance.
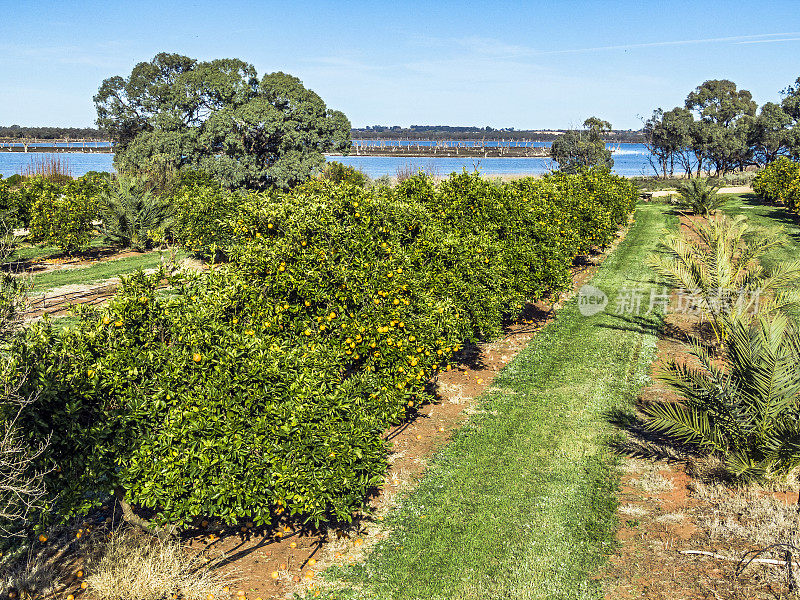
(42, 538)
(293, 545)
(84, 585)
(197, 357)
(275, 574)
(310, 574)
(312, 561)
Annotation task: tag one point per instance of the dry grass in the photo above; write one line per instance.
(651, 480)
(138, 567)
(50, 167)
(749, 515)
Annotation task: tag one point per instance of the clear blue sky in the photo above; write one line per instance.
(503, 64)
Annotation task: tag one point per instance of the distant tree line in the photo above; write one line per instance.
(51, 133)
(449, 132)
(721, 129)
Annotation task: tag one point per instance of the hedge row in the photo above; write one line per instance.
(779, 183)
(265, 386)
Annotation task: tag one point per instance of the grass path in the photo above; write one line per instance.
(521, 504)
(97, 272)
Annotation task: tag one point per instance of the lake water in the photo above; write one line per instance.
(79, 163)
(629, 160)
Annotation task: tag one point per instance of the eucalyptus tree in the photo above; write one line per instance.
(722, 111)
(668, 137)
(576, 149)
(770, 134)
(791, 106)
(176, 113)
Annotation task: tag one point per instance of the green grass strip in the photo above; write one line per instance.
(522, 502)
(97, 272)
(765, 215)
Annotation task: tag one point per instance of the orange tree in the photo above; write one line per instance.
(264, 387)
(779, 182)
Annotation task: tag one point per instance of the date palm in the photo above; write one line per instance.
(131, 214)
(718, 261)
(746, 410)
(700, 197)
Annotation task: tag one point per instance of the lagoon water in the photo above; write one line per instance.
(629, 160)
(80, 163)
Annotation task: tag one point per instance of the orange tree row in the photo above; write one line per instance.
(263, 387)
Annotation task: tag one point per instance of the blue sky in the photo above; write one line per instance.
(516, 64)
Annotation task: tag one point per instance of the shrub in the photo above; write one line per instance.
(719, 262)
(203, 218)
(62, 217)
(336, 172)
(700, 197)
(779, 183)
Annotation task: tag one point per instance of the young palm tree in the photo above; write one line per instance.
(700, 197)
(718, 261)
(747, 410)
(132, 215)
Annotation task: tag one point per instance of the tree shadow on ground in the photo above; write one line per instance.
(637, 441)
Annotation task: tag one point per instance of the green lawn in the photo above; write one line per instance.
(27, 251)
(522, 503)
(764, 215)
(98, 271)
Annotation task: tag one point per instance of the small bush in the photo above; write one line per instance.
(744, 411)
(133, 216)
(779, 183)
(336, 172)
(700, 197)
(61, 217)
(203, 218)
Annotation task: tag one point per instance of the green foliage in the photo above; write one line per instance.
(61, 217)
(720, 261)
(336, 172)
(576, 150)
(204, 217)
(779, 182)
(746, 410)
(133, 216)
(265, 385)
(175, 113)
(700, 197)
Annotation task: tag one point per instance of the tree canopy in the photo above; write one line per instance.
(720, 127)
(177, 113)
(578, 149)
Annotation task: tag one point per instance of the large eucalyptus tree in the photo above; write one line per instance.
(175, 113)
